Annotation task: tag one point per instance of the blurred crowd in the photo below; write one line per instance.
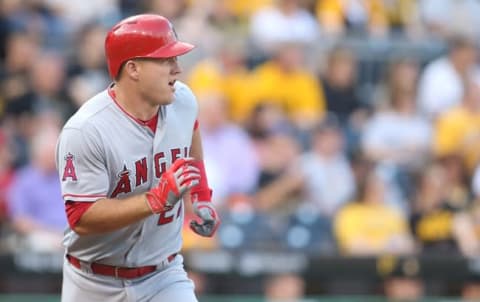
(346, 127)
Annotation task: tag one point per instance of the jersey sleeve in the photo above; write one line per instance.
(81, 166)
(186, 101)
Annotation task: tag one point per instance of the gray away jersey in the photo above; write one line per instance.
(103, 152)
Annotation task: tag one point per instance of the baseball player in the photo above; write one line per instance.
(127, 159)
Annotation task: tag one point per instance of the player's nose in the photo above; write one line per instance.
(176, 68)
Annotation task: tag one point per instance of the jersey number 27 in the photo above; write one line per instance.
(167, 216)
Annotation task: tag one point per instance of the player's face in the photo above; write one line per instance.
(157, 80)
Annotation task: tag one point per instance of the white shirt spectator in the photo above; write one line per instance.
(329, 183)
(271, 26)
(79, 12)
(452, 16)
(434, 95)
(396, 133)
(440, 87)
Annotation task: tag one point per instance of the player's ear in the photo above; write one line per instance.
(131, 69)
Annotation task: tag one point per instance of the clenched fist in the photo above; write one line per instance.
(209, 219)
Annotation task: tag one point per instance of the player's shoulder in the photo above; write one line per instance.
(89, 111)
(184, 95)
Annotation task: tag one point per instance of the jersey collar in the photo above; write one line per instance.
(151, 123)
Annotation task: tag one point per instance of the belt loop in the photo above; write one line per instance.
(162, 264)
(116, 272)
(85, 267)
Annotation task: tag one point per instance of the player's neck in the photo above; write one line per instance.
(133, 103)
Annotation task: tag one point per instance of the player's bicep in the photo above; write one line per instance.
(81, 167)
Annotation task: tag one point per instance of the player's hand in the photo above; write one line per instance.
(209, 219)
(174, 182)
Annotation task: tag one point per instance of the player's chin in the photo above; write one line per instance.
(167, 98)
(168, 102)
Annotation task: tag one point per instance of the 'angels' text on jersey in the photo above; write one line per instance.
(124, 183)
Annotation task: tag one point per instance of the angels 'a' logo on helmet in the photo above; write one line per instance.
(173, 32)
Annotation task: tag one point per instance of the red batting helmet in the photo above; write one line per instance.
(142, 36)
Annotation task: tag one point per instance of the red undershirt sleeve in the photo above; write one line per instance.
(75, 211)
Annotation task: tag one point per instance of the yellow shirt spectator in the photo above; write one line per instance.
(332, 14)
(372, 227)
(297, 92)
(458, 132)
(246, 8)
(209, 76)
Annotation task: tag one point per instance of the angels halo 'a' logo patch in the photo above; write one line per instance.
(69, 171)
(123, 184)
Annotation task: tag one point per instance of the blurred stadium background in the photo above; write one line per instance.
(342, 142)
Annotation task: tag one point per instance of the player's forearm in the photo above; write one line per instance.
(196, 150)
(108, 215)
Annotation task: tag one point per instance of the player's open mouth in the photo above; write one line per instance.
(171, 83)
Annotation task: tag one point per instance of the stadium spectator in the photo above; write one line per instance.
(36, 18)
(327, 174)
(244, 9)
(401, 76)
(284, 287)
(370, 226)
(457, 185)
(208, 25)
(48, 92)
(229, 154)
(445, 18)
(403, 18)
(398, 135)
(86, 74)
(76, 14)
(457, 131)
(341, 96)
(280, 181)
(285, 22)
(338, 83)
(404, 288)
(170, 9)
(226, 73)
(400, 140)
(265, 119)
(21, 51)
(471, 291)
(374, 17)
(34, 200)
(440, 226)
(435, 95)
(302, 99)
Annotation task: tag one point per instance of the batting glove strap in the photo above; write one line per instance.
(202, 191)
(210, 220)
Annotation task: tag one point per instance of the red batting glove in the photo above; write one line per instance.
(178, 179)
(202, 205)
